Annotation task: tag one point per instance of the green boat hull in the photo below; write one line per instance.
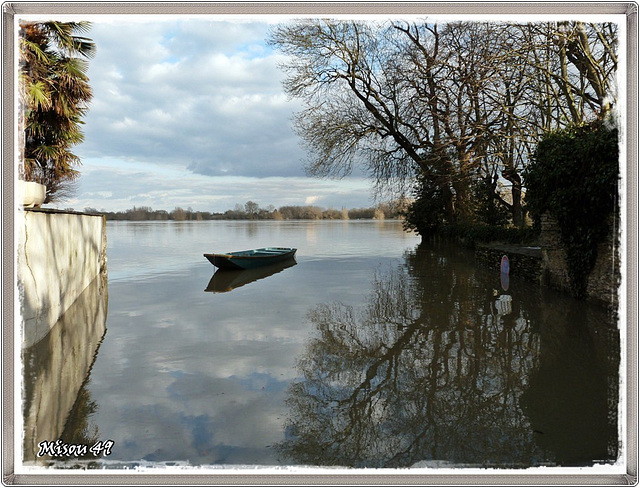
(254, 258)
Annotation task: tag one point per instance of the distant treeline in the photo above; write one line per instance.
(252, 211)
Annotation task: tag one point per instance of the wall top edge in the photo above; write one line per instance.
(63, 212)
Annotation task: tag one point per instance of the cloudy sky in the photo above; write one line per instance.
(190, 112)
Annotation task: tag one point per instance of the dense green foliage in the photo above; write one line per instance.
(486, 206)
(487, 222)
(426, 213)
(574, 177)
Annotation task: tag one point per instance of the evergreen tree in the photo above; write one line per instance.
(54, 95)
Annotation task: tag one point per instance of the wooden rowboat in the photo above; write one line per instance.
(253, 258)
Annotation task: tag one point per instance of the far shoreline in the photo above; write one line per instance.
(252, 212)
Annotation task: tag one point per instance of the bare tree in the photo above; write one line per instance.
(451, 104)
(359, 109)
(252, 209)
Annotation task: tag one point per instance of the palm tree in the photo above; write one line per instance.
(54, 95)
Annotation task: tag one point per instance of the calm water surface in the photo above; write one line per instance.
(369, 351)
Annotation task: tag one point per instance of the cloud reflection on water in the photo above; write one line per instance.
(374, 360)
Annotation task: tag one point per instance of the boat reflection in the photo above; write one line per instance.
(225, 280)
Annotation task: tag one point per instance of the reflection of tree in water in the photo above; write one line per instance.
(428, 369)
(77, 426)
(79, 429)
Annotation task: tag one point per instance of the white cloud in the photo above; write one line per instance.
(113, 184)
(311, 200)
(201, 95)
(191, 112)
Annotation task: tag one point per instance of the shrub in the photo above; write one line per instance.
(574, 177)
(426, 214)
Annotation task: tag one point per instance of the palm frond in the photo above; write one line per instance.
(38, 95)
(54, 91)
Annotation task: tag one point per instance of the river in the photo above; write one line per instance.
(369, 351)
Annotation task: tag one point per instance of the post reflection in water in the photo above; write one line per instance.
(56, 403)
(438, 367)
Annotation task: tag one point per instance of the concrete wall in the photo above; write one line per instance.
(59, 255)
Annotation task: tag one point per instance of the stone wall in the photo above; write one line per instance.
(604, 280)
(525, 262)
(58, 255)
(547, 264)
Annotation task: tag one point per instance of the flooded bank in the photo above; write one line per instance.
(371, 351)
(441, 364)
